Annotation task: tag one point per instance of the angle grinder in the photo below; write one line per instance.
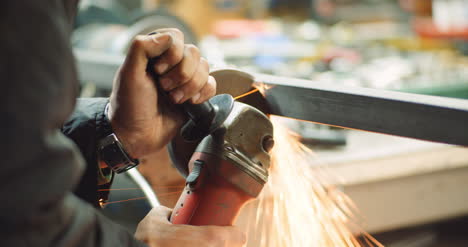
(229, 143)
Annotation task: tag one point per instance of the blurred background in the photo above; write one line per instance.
(411, 193)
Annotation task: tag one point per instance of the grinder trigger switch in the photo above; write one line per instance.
(194, 176)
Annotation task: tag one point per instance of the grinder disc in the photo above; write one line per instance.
(232, 81)
(236, 83)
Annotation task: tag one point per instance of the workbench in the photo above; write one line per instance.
(399, 182)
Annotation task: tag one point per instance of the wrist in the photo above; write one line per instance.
(111, 150)
(126, 138)
(128, 143)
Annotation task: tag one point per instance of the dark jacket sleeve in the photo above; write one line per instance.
(40, 167)
(84, 127)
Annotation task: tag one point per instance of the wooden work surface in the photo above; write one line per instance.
(399, 182)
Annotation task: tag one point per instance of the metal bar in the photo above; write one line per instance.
(431, 118)
(417, 116)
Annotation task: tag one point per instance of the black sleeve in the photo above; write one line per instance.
(84, 127)
(40, 166)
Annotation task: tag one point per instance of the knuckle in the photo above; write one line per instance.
(177, 32)
(138, 43)
(212, 84)
(185, 75)
(204, 64)
(190, 87)
(211, 90)
(192, 49)
(176, 56)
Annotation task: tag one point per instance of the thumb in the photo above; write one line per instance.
(231, 234)
(162, 213)
(237, 236)
(145, 47)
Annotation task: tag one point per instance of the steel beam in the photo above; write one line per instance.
(431, 118)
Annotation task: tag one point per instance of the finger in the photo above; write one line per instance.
(184, 71)
(208, 91)
(144, 47)
(174, 31)
(174, 54)
(193, 87)
(225, 236)
(236, 236)
(162, 213)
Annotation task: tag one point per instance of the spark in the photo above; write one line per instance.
(119, 189)
(299, 206)
(258, 87)
(262, 87)
(159, 187)
(126, 200)
(138, 198)
(248, 93)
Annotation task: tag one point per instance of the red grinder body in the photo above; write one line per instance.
(228, 168)
(212, 200)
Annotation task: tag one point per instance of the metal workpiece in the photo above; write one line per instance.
(424, 117)
(430, 118)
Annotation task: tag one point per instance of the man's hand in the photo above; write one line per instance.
(156, 230)
(144, 119)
